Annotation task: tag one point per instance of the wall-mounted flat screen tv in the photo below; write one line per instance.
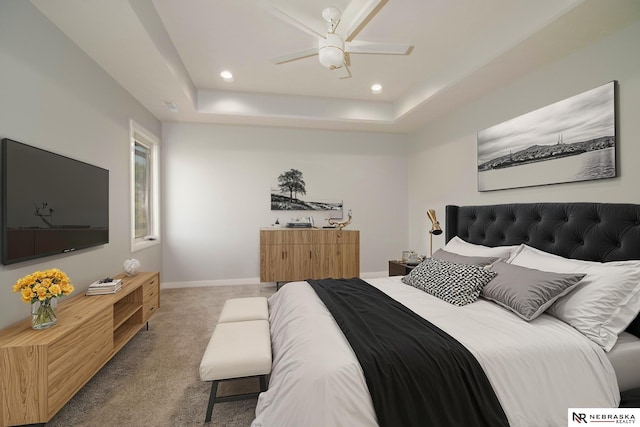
(51, 204)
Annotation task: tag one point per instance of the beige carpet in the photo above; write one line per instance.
(153, 380)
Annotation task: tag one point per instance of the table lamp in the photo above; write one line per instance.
(435, 229)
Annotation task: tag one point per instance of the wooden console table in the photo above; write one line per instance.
(42, 370)
(287, 255)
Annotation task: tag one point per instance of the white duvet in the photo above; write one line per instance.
(537, 369)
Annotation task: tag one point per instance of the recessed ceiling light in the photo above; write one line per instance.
(226, 76)
(376, 88)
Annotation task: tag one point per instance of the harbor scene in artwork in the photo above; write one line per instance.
(570, 140)
(580, 167)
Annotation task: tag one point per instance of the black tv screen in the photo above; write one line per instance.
(51, 204)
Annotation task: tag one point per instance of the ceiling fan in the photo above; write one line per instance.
(337, 44)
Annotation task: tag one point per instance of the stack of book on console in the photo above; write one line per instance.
(105, 286)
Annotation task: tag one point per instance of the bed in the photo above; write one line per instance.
(540, 357)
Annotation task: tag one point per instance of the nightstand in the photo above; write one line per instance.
(398, 268)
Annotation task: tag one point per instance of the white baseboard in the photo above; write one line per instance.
(205, 283)
(246, 281)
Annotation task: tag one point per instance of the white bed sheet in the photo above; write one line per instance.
(537, 369)
(625, 358)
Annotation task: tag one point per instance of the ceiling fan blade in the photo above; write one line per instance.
(289, 20)
(294, 56)
(343, 72)
(358, 18)
(357, 46)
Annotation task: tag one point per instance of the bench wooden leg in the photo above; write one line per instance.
(263, 383)
(212, 399)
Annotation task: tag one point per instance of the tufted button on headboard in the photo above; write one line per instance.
(588, 231)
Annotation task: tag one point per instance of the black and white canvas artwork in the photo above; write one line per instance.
(287, 196)
(571, 140)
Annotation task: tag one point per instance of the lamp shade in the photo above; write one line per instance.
(435, 225)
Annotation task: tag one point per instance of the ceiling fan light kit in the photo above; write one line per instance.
(331, 51)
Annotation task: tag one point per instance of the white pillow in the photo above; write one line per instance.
(603, 304)
(461, 247)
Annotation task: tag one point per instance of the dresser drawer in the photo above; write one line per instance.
(150, 290)
(148, 309)
(286, 237)
(150, 298)
(337, 237)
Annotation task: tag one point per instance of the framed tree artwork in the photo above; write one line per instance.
(289, 192)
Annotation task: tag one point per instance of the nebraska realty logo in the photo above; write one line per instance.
(600, 416)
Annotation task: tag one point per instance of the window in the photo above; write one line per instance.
(145, 189)
(142, 171)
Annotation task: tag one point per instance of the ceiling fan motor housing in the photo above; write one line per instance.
(331, 51)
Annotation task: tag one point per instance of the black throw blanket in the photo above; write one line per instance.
(416, 373)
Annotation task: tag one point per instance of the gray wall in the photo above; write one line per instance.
(54, 97)
(443, 155)
(216, 197)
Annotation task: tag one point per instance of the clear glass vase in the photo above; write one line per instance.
(43, 313)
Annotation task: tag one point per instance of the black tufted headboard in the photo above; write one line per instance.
(588, 231)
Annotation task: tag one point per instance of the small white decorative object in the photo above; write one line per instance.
(131, 266)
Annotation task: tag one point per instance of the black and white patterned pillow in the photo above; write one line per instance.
(458, 284)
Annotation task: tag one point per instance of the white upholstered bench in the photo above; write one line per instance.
(241, 309)
(237, 349)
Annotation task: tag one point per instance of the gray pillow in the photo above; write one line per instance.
(458, 284)
(463, 259)
(526, 291)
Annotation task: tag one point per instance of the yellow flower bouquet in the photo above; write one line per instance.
(40, 289)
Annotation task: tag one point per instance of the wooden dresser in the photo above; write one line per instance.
(298, 254)
(41, 370)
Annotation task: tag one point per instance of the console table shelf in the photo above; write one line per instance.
(42, 370)
(123, 311)
(124, 333)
